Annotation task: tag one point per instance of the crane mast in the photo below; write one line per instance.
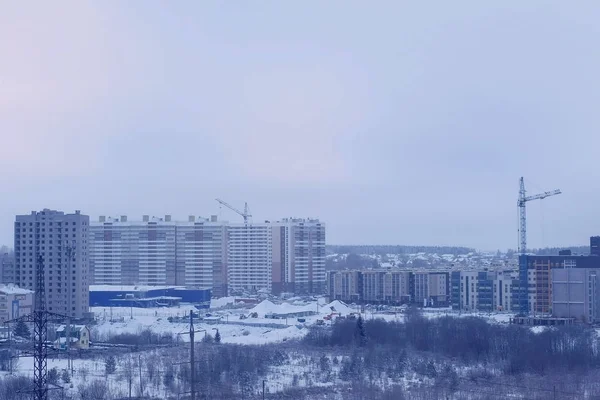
(245, 214)
(523, 199)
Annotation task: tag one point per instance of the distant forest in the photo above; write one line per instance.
(397, 249)
(548, 251)
(454, 250)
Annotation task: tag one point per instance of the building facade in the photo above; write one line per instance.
(60, 242)
(249, 257)
(431, 288)
(397, 287)
(15, 302)
(281, 256)
(7, 268)
(425, 288)
(373, 286)
(465, 284)
(201, 255)
(595, 245)
(298, 256)
(505, 287)
(535, 276)
(484, 290)
(576, 294)
(159, 251)
(345, 285)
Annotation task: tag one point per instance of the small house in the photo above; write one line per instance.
(79, 337)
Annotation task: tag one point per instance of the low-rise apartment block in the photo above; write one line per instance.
(430, 288)
(14, 302)
(484, 290)
(345, 285)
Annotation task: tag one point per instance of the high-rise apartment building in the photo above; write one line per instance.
(159, 251)
(60, 241)
(249, 256)
(298, 256)
(281, 256)
(131, 253)
(202, 254)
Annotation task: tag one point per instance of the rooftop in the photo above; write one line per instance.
(130, 288)
(13, 289)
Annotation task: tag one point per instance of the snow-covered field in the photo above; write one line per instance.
(237, 324)
(227, 319)
(233, 322)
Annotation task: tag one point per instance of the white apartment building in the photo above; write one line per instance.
(159, 251)
(431, 288)
(14, 302)
(396, 287)
(201, 251)
(504, 291)
(281, 256)
(298, 256)
(484, 290)
(249, 256)
(468, 299)
(60, 242)
(344, 285)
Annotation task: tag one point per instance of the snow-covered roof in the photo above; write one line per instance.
(130, 288)
(73, 328)
(62, 340)
(267, 307)
(13, 289)
(336, 306)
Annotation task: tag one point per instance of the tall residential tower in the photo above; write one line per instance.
(159, 251)
(61, 240)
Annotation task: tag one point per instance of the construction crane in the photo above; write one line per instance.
(246, 213)
(522, 215)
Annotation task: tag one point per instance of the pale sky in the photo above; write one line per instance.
(394, 122)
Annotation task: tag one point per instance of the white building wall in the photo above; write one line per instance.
(249, 260)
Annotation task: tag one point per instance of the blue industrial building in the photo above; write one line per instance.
(147, 296)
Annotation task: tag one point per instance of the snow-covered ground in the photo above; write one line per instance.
(235, 325)
(227, 320)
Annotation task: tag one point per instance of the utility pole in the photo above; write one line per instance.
(263, 392)
(192, 358)
(140, 368)
(40, 318)
(192, 361)
(69, 258)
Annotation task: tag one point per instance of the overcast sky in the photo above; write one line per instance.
(394, 122)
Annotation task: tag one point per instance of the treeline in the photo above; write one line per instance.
(553, 251)
(351, 261)
(470, 340)
(397, 249)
